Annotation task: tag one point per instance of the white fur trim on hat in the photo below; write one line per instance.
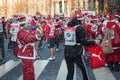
(117, 16)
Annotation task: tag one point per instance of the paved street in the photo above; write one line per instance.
(50, 70)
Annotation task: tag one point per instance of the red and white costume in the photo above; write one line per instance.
(26, 51)
(92, 30)
(45, 28)
(51, 31)
(115, 29)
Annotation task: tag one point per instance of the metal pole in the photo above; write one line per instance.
(63, 5)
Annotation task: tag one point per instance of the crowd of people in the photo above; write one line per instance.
(26, 35)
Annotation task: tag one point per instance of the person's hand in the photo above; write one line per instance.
(5, 40)
(97, 42)
(40, 35)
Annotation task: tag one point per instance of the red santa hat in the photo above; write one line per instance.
(105, 16)
(49, 17)
(110, 24)
(94, 18)
(77, 12)
(22, 18)
(85, 14)
(25, 19)
(100, 17)
(15, 16)
(60, 22)
(38, 13)
(118, 15)
(33, 23)
(111, 17)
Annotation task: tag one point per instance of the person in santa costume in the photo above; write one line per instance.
(58, 33)
(91, 30)
(117, 19)
(92, 27)
(34, 28)
(15, 27)
(113, 59)
(117, 42)
(26, 39)
(45, 28)
(51, 39)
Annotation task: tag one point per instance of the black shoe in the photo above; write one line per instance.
(16, 59)
(116, 67)
(110, 66)
(37, 57)
(3, 61)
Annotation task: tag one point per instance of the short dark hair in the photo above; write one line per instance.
(73, 22)
(3, 17)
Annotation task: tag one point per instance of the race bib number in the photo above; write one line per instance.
(94, 28)
(52, 31)
(13, 29)
(112, 34)
(70, 36)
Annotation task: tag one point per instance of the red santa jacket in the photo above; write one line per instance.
(115, 57)
(114, 30)
(45, 31)
(58, 31)
(51, 31)
(92, 29)
(26, 44)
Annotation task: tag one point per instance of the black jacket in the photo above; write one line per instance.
(80, 38)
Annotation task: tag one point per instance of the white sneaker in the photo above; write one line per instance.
(51, 58)
(106, 64)
(57, 49)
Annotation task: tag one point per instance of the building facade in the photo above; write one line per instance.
(49, 7)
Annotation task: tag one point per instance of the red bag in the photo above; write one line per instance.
(96, 57)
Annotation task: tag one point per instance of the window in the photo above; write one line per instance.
(60, 6)
(83, 4)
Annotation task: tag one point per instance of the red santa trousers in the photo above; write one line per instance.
(114, 57)
(28, 69)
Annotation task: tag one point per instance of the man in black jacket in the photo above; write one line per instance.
(75, 39)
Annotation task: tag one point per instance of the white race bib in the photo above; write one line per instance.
(70, 36)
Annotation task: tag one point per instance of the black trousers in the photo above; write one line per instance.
(70, 61)
(10, 44)
(57, 41)
(2, 45)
